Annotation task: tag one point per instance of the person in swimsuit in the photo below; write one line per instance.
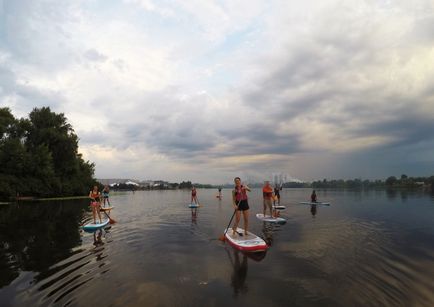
(105, 195)
(240, 203)
(267, 194)
(313, 197)
(220, 193)
(194, 196)
(277, 190)
(95, 203)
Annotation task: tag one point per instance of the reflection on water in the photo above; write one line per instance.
(194, 215)
(240, 266)
(369, 248)
(313, 210)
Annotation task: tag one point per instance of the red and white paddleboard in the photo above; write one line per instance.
(247, 243)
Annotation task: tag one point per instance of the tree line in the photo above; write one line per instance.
(391, 182)
(39, 156)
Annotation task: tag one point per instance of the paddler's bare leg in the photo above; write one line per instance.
(237, 220)
(246, 221)
(264, 208)
(94, 214)
(99, 213)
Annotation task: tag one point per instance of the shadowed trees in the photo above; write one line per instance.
(39, 156)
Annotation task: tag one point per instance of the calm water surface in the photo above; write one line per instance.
(368, 249)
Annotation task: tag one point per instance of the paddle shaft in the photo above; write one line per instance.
(110, 219)
(235, 211)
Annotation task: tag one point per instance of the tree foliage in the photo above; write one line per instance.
(391, 182)
(39, 156)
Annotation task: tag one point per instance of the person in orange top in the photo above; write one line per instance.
(95, 203)
(267, 192)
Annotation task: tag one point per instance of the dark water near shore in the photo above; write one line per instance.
(368, 249)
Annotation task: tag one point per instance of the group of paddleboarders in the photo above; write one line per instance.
(241, 205)
(270, 197)
(96, 200)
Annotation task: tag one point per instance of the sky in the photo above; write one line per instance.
(209, 90)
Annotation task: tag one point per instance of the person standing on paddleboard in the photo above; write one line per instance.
(194, 195)
(277, 190)
(267, 193)
(105, 195)
(313, 197)
(240, 203)
(95, 203)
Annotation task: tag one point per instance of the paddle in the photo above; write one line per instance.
(111, 221)
(223, 237)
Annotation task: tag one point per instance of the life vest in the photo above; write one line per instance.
(94, 194)
(267, 192)
(313, 198)
(240, 194)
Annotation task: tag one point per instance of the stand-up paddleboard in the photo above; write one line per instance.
(106, 208)
(314, 203)
(92, 226)
(279, 207)
(267, 218)
(193, 205)
(249, 243)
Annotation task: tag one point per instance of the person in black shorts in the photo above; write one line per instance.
(240, 203)
(277, 190)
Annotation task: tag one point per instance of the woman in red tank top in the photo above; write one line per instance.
(95, 203)
(240, 203)
(194, 196)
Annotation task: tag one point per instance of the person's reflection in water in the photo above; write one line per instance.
(97, 241)
(239, 274)
(267, 230)
(97, 238)
(194, 215)
(313, 210)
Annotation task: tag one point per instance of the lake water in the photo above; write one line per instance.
(371, 248)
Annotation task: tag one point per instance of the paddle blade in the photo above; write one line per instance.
(111, 221)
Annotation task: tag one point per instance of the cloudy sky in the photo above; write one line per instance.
(206, 90)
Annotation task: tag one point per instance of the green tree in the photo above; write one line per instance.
(39, 156)
(73, 175)
(391, 180)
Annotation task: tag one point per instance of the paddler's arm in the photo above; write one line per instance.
(245, 187)
(90, 196)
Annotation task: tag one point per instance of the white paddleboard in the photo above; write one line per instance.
(106, 208)
(94, 226)
(314, 203)
(193, 205)
(270, 219)
(249, 243)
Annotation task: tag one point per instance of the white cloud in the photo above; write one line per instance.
(232, 86)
